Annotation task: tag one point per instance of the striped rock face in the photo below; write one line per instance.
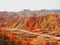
(34, 29)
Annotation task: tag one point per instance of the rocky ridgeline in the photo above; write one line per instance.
(27, 12)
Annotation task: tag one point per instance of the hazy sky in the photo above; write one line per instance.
(17, 5)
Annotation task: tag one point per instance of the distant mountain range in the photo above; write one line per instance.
(39, 12)
(27, 12)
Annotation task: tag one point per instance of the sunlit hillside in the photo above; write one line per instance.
(40, 27)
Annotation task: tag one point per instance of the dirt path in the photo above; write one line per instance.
(28, 32)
